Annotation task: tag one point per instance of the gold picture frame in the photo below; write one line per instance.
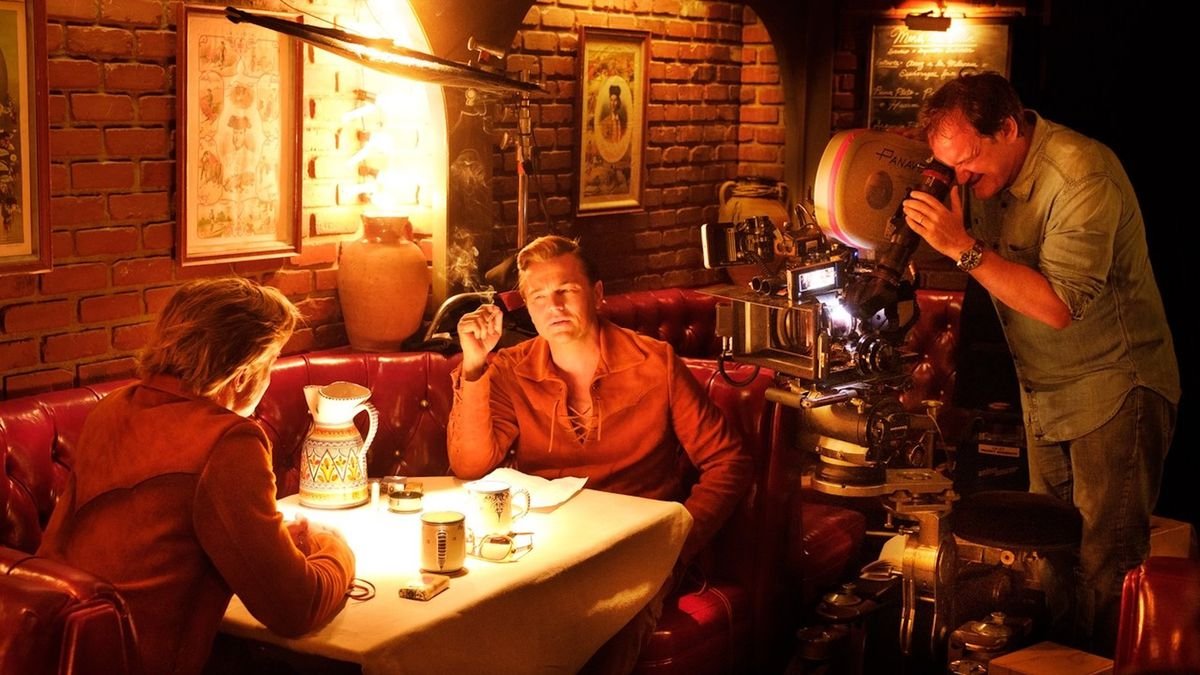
(238, 149)
(24, 139)
(611, 119)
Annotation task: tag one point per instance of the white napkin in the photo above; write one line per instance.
(543, 493)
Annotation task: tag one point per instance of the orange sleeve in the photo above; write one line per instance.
(237, 523)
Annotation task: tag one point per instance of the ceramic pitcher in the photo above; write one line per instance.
(333, 462)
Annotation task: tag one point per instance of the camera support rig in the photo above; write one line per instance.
(831, 326)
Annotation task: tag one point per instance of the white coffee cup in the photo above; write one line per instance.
(492, 508)
(443, 541)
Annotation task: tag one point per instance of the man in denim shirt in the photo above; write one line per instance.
(1057, 238)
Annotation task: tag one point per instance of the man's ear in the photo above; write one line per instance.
(1009, 130)
(598, 291)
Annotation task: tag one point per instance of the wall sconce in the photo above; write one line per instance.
(927, 21)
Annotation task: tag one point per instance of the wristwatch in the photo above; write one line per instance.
(970, 258)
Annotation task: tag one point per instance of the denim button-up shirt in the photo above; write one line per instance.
(1072, 215)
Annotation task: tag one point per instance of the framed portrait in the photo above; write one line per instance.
(907, 66)
(239, 139)
(611, 119)
(24, 139)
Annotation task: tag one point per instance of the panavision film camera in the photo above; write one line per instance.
(830, 319)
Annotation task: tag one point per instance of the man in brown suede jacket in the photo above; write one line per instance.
(172, 498)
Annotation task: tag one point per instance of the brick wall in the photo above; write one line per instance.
(112, 78)
(715, 112)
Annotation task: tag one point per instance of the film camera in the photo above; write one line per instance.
(830, 320)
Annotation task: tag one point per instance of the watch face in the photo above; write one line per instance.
(970, 258)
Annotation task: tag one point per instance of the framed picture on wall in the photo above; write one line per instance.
(611, 119)
(907, 65)
(24, 139)
(238, 148)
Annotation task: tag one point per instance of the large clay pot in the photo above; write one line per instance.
(383, 285)
(746, 197)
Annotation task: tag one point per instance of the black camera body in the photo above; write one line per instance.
(727, 244)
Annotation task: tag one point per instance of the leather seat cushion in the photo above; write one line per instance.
(705, 631)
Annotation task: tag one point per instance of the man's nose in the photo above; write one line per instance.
(963, 176)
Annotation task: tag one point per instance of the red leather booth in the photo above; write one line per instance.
(776, 548)
(1159, 627)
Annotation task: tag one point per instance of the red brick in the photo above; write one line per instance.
(76, 142)
(539, 41)
(55, 36)
(326, 280)
(136, 142)
(106, 241)
(319, 310)
(17, 285)
(140, 206)
(102, 175)
(158, 174)
(73, 74)
(17, 354)
(158, 236)
(69, 278)
(315, 254)
(155, 45)
(760, 74)
(107, 371)
(156, 298)
(101, 108)
(141, 271)
(156, 108)
(72, 211)
(134, 77)
(140, 12)
(95, 41)
(128, 338)
(291, 282)
(64, 246)
(557, 17)
(38, 382)
(71, 346)
(302, 340)
(56, 109)
(71, 9)
(760, 114)
(38, 316)
(109, 307)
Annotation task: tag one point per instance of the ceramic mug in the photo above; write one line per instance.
(495, 505)
(443, 541)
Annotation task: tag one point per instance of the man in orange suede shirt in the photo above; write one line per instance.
(588, 398)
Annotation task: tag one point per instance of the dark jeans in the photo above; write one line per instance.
(1112, 475)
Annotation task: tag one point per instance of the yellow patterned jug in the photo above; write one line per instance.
(333, 462)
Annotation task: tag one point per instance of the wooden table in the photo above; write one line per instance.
(597, 559)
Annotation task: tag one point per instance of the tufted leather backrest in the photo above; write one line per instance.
(55, 618)
(683, 317)
(1159, 627)
(934, 339)
(411, 391)
(38, 437)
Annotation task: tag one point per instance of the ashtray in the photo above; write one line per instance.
(404, 501)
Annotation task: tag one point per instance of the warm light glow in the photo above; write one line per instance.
(402, 160)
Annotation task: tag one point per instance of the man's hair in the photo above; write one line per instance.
(550, 247)
(984, 100)
(214, 329)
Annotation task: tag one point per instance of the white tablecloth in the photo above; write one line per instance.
(597, 559)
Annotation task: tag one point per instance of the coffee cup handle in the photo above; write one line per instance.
(524, 507)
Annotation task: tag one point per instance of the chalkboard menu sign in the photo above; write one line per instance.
(909, 65)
